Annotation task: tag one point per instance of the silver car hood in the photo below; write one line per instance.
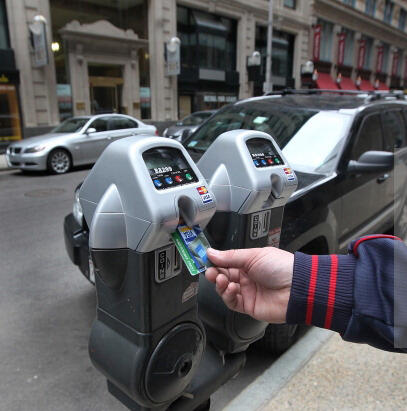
(42, 139)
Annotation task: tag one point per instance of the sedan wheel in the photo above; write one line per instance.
(59, 162)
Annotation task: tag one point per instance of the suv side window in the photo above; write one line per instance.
(394, 130)
(100, 124)
(369, 136)
(119, 123)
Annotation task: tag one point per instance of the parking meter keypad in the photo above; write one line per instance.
(263, 153)
(168, 168)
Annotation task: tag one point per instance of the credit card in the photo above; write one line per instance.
(192, 245)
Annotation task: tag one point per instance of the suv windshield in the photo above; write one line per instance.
(71, 125)
(311, 139)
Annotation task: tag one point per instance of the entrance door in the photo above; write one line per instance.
(105, 82)
(103, 99)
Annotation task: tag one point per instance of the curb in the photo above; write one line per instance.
(262, 390)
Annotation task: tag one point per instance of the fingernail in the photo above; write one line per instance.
(213, 252)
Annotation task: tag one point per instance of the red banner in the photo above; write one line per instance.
(361, 53)
(395, 65)
(379, 61)
(317, 41)
(341, 48)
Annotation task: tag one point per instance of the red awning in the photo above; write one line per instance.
(382, 86)
(325, 82)
(366, 86)
(347, 84)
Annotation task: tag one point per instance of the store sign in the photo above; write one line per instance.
(379, 61)
(173, 59)
(39, 42)
(341, 48)
(362, 53)
(317, 42)
(395, 64)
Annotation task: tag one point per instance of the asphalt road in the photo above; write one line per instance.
(47, 307)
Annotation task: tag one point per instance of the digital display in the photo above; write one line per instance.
(168, 167)
(263, 153)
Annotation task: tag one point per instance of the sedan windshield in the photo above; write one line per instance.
(195, 119)
(311, 139)
(71, 125)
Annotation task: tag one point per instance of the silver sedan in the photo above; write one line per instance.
(76, 141)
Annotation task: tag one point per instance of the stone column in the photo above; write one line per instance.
(246, 33)
(131, 87)
(162, 25)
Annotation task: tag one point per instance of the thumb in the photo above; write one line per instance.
(231, 258)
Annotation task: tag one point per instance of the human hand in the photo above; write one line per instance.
(254, 281)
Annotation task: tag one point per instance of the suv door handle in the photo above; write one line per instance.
(383, 178)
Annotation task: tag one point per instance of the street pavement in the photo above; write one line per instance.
(346, 376)
(47, 307)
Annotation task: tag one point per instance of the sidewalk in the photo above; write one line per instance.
(3, 163)
(346, 376)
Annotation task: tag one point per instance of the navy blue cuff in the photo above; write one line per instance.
(322, 291)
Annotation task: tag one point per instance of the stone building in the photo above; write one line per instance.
(60, 58)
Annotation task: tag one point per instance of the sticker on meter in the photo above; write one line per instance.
(192, 245)
(205, 196)
(289, 173)
(259, 224)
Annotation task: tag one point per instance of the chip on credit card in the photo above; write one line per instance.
(192, 245)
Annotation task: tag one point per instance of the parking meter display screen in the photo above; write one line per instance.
(263, 153)
(168, 167)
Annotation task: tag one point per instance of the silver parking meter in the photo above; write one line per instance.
(147, 339)
(252, 181)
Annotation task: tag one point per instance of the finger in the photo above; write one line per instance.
(222, 283)
(231, 297)
(232, 258)
(211, 274)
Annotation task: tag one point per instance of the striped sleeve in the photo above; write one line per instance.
(322, 291)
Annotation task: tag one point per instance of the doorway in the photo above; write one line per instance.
(105, 86)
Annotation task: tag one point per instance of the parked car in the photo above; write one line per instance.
(190, 123)
(350, 156)
(76, 141)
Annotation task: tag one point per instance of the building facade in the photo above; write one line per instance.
(74, 57)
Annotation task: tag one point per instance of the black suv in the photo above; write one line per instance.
(349, 153)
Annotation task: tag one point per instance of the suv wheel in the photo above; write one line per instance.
(278, 338)
(59, 161)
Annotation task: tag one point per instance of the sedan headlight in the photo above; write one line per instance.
(77, 209)
(34, 149)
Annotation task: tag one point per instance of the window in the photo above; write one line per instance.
(350, 2)
(71, 125)
(386, 54)
(120, 123)
(291, 4)
(394, 130)
(4, 40)
(370, 7)
(388, 11)
(402, 19)
(369, 137)
(349, 46)
(326, 40)
(212, 51)
(368, 52)
(100, 124)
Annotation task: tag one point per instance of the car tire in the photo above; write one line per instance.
(278, 338)
(59, 161)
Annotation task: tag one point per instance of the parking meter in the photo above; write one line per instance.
(252, 181)
(147, 339)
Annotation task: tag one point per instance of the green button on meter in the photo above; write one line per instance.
(188, 176)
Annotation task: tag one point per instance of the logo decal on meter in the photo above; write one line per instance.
(259, 224)
(205, 196)
(167, 264)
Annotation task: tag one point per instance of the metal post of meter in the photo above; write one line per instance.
(268, 85)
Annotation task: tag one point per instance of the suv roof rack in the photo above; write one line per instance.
(369, 95)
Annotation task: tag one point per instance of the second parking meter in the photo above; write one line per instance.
(147, 339)
(252, 182)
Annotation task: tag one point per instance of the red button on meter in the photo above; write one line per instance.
(270, 161)
(178, 179)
